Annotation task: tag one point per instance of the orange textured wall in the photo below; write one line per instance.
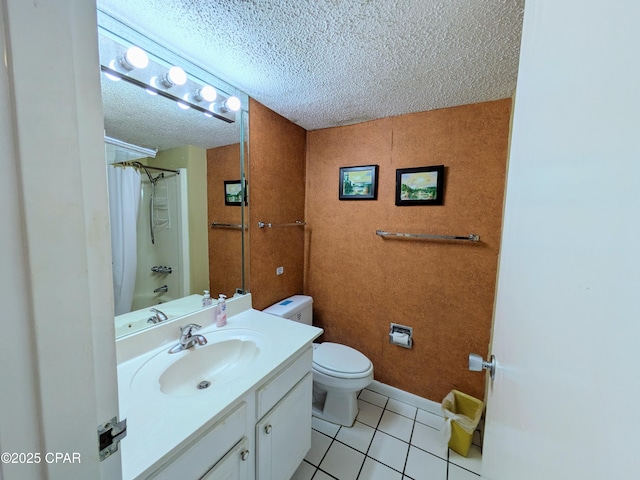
(225, 245)
(277, 195)
(361, 282)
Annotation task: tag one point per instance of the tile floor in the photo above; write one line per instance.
(390, 440)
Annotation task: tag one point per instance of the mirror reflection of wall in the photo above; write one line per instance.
(175, 186)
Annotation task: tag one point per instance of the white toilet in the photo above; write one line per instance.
(339, 372)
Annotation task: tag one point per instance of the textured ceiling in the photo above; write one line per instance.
(322, 63)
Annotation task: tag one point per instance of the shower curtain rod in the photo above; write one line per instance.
(130, 163)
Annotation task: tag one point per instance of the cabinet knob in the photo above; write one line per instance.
(244, 455)
(267, 429)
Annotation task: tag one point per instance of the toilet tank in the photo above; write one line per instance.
(297, 308)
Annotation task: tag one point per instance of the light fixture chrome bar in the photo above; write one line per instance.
(163, 93)
(297, 223)
(147, 152)
(471, 237)
(237, 226)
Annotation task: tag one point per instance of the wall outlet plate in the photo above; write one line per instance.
(279, 270)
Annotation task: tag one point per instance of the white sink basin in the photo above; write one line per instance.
(227, 355)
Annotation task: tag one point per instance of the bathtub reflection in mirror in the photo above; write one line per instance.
(166, 171)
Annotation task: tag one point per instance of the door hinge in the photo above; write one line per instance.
(109, 435)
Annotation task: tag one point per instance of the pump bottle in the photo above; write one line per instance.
(221, 311)
(206, 299)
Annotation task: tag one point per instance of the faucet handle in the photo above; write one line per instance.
(187, 329)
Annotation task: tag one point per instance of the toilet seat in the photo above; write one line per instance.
(340, 361)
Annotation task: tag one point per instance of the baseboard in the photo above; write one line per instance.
(406, 397)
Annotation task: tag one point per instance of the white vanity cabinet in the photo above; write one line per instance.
(273, 419)
(251, 424)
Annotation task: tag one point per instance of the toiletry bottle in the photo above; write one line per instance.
(206, 299)
(221, 311)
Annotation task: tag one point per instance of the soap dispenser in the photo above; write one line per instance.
(206, 299)
(221, 311)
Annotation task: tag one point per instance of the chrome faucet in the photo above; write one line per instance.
(157, 317)
(187, 339)
(162, 289)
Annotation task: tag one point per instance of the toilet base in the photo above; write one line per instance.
(337, 407)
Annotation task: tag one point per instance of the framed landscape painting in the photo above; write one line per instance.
(420, 186)
(232, 192)
(359, 183)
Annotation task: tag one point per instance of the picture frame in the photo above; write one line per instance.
(233, 192)
(359, 183)
(420, 186)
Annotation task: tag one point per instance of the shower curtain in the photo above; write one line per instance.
(124, 205)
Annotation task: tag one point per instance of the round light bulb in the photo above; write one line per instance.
(154, 83)
(177, 76)
(233, 104)
(112, 66)
(133, 58)
(206, 93)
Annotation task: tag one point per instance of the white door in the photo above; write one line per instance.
(565, 400)
(57, 359)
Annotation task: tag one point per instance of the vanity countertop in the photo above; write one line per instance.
(158, 424)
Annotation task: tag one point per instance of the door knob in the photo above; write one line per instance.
(477, 364)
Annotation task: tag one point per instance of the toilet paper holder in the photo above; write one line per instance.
(401, 335)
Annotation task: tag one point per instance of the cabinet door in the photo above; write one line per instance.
(233, 466)
(283, 436)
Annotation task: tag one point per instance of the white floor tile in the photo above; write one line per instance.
(319, 446)
(457, 473)
(388, 450)
(342, 462)
(322, 476)
(424, 466)
(325, 427)
(373, 470)
(373, 397)
(473, 460)
(429, 439)
(359, 436)
(401, 408)
(368, 413)
(396, 425)
(304, 472)
(428, 418)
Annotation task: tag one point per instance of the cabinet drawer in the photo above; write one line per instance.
(202, 454)
(271, 393)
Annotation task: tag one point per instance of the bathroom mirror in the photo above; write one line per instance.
(172, 165)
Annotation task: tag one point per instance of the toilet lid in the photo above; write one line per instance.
(340, 358)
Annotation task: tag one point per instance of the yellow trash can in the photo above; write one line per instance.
(462, 414)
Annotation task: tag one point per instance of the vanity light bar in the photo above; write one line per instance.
(156, 91)
(119, 61)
